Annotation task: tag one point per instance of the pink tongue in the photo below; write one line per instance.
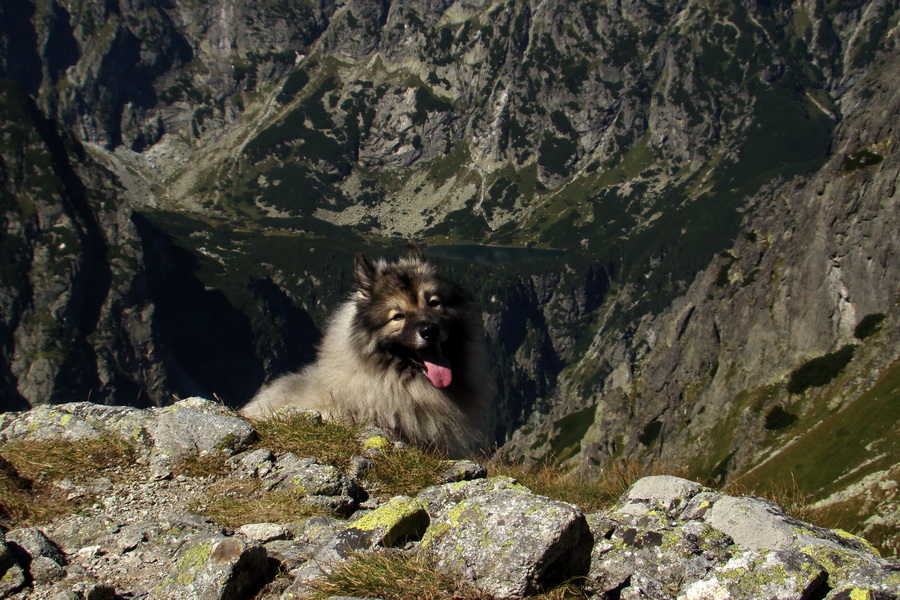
(438, 368)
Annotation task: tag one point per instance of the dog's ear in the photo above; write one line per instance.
(365, 273)
(414, 250)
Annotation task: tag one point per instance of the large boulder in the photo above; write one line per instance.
(506, 541)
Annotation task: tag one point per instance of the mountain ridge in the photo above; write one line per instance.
(234, 156)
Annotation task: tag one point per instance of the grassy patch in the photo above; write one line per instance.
(399, 576)
(590, 493)
(847, 445)
(572, 428)
(331, 443)
(406, 471)
(28, 470)
(235, 502)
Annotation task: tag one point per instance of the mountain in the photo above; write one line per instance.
(678, 217)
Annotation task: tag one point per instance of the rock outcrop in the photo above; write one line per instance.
(183, 185)
(666, 537)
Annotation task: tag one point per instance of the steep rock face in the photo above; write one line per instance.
(69, 322)
(97, 303)
(813, 262)
(756, 370)
(127, 72)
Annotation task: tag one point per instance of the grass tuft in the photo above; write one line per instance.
(232, 503)
(395, 575)
(590, 493)
(29, 468)
(331, 443)
(406, 471)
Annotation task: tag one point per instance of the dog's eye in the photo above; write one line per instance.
(398, 317)
(434, 302)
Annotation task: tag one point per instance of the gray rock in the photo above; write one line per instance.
(12, 575)
(216, 568)
(77, 421)
(510, 543)
(462, 470)
(777, 575)
(669, 537)
(660, 492)
(199, 427)
(45, 562)
(255, 463)
(439, 499)
(399, 520)
(322, 485)
(264, 532)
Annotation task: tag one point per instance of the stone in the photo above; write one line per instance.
(45, 562)
(322, 485)
(399, 520)
(197, 427)
(216, 568)
(510, 543)
(776, 575)
(462, 470)
(264, 532)
(667, 537)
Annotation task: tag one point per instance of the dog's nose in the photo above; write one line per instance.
(429, 332)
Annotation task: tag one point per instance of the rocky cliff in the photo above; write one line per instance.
(139, 534)
(699, 199)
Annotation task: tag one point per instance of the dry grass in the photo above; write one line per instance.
(400, 576)
(395, 472)
(28, 470)
(235, 502)
(590, 493)
(407, 471)
(201, 466)
(331, 443)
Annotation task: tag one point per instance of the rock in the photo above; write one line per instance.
(671, 537)
(198, 427)
(264, 532)
(77, 421)
(399, 520)
(12, 575)
(441, 498)
(510, 543)
(778, 575)
(45, 562)
(216, 568)
(462, 470)
(322, 485)
(255, 463)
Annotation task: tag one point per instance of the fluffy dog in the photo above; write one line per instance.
(405, 353)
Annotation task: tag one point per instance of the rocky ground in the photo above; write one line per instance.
(143, 538)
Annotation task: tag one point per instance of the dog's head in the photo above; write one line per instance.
(410, 312)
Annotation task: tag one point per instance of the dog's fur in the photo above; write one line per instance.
(405, 353)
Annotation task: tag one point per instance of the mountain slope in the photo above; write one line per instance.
(699, 198)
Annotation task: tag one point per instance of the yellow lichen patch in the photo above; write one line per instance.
(190, 564)
(849, 536)
(402, 518)
(399, 508)
(377, 442)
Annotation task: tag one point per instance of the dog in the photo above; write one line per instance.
(405, 353)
